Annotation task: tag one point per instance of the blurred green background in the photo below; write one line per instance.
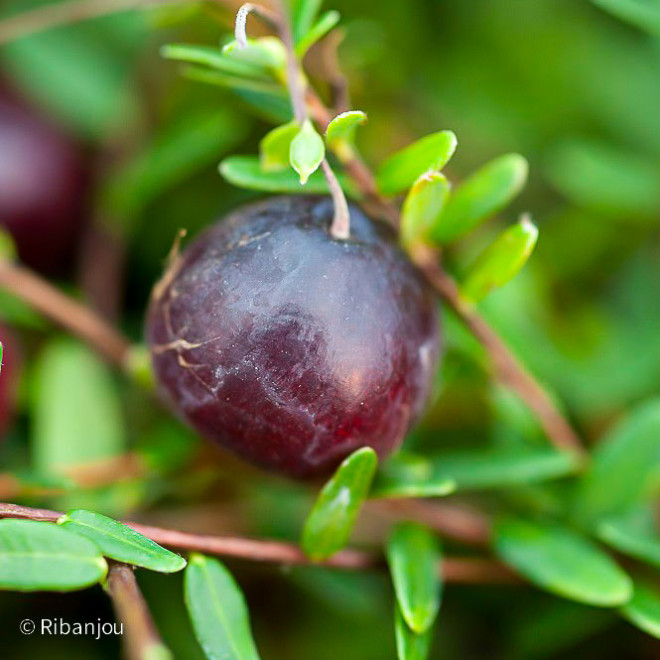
(571, 86)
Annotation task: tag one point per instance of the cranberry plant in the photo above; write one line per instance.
(329, 334)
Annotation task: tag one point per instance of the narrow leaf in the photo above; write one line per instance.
(275, 147)
(624, 469)
(633, 534)
(120, 542)
(328, 21)
(304, 15)
(562, 562)
(410, 645)
(501, 261)
(643, 610)
(218, 611)
(329, 525)
(640, 13)
(402, 169)
(267, 53)
(307, 151)
(480, 196)
(39, 556)
(342, 128)
(413, 555)
(422, 207)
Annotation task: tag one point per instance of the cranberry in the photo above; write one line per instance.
(42, 186)
(290, 347)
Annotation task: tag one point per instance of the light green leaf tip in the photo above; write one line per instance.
(307, 151)
(342, 128)
(329, 524)
(275, 147)
(501, 261)
(422, 207)
(410, 645)
(325, 23)
(643, 610)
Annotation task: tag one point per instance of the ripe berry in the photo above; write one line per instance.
(42, 186)
(290, 347)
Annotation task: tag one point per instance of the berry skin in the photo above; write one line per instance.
(42, 187)
(290, 347)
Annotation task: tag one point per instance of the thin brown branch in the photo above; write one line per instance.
(65, 311)
(65, 13)
(139, 634)
(456, 570)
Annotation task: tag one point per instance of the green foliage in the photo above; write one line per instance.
(39, 556)
(218, 611)
(275, 147)
(409, 644)
(120, 542)
(307, 151)
(403, 168)
(7, 247)
(633, 534)
(341, 130)
(643, 610)
(422, 207)
(643, 14)
(413, 554)
(331, 520)
(562, 562)
(324, 25)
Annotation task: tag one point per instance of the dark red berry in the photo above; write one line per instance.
(290, 347)
(42, 186)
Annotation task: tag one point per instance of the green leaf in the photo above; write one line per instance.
(633, 534)
(342, 128)
(328, 21)
(562, 562)
(39, 556)
(329, 525)
(643, 610)
(640, 13)
(7, 246)
(402, 169)
(275, 147)
(304, 14)
(246, 172)
(480, 196)
(307, 151)
(77, 417)
(267, 53)
(422, 207)
(413, 555)
(218, 611)
(410, 645)
(406, 475)
(120, 542)
(501, 261)
(625, 468)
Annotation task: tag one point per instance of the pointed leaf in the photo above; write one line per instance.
(329, 525)
(40, 556)
(328, 21)
(633, 534)
(218, 611)
(275, 147)
(413, 555)
(307, 151)
(480, 196)
(410, 645)
(267, 53)
(304, 15)
(643, 610)
(120, 542)
(501, 261)
(342, 128)
(562, 562)
(625, 467)
(402, 169)
(422, 207)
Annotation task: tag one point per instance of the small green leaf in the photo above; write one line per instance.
(410, 645)
(329, 525)
(501, 261)
(304, 14)
(39, 556)
(267, 53)
(633, 534)
(562, 562)
(246, 172)
(342, 128)
(624, 469)
(275, 147)
(120, 542)
(422, 207)
(401, 170)
(643, 610)
(413, 554)
(328, 21)
(307, 151)
(480, 196)
(643, 14)
(218, 611)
